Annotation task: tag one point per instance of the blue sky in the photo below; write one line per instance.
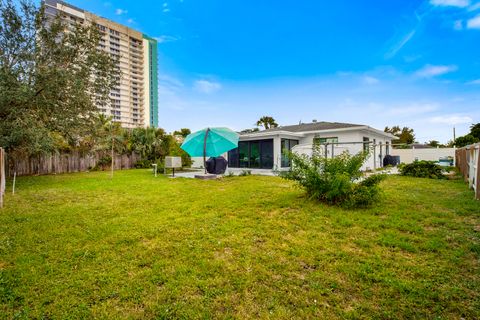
(397, 62)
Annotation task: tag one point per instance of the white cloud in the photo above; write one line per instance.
(450, 3)
(474, 82)
(165, 38)
(205, 86)
(431, 71)
(166, 10)
(171, 91)
(171, 99)
(170, 81)
(120, 11)
(474, 23)
(130, 20)
(474, 7)
(399, 45)
(412, 109)
(412, 58)
(458, 25)
(165, 4)
(451, 119)
(370, 80)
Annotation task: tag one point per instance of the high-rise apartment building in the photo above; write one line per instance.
(134, 102)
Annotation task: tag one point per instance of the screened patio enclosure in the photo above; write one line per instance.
(255, 154)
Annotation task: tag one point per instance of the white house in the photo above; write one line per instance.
(264, 149)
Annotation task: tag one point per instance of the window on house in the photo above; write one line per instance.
(287, 145)
(366, 144)
(323, 140)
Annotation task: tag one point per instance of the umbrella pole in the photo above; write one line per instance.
(205, 150)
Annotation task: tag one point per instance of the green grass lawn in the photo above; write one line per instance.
(84, 246)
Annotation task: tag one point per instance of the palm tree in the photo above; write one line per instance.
(267, 122)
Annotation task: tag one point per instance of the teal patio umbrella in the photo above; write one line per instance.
(210, 142)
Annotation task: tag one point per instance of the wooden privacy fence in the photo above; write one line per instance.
(65, 163)
(2, 176)
(468, 161)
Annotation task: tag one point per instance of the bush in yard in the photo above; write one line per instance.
(366, 191)
(104, 162)
(334, 180)
(143, 164)
(422, 169)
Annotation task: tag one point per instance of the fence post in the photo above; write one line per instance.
(477, 178)
(455, 156)
(468, 161)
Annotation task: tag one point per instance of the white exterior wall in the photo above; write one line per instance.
(349, 137)
(353, 144)
(197, 162)
(433, 154)
(277, 152)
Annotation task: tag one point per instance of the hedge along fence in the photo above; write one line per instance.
(468, 162)
(65, 163)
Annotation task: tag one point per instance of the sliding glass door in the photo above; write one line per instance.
(254, 155)
(266, 156)
(257, 154)
(242, 155)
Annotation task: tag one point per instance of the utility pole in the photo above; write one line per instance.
(454, 137)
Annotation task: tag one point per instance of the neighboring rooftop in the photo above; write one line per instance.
(314, 126)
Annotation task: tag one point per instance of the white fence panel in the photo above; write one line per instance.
(468, 161)
(430, 154)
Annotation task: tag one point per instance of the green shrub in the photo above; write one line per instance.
(160, 163)
(366, 192)
(422, 169)
(143, 164)
(103, 163)
(334, 180)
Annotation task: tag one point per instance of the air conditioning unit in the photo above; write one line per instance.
(173, 162)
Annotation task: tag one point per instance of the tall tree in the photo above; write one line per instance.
(465, 140)
(184, 132)
(267, 122)
(405, 135)
(470, 138)
(434, 143)
(475, 130)
(250, 130)
(52, 78)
